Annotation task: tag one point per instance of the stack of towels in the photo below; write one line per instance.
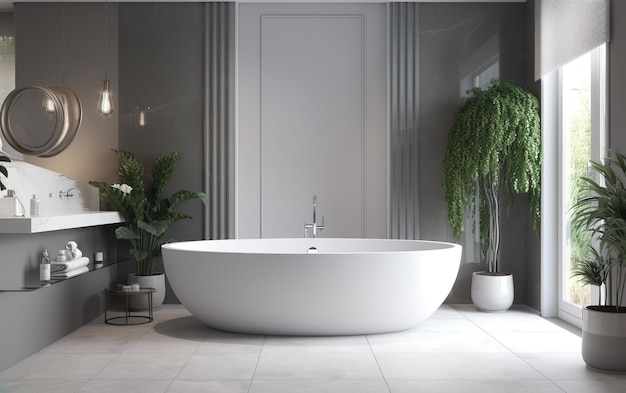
(73, 265)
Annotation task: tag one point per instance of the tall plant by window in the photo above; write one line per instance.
(494, 144)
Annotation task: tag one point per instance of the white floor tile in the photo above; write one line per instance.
(436, 342)
(540, 342)
(473, 386)
(325, 386)
(58, 366)
(586, 386)
(218, 341)
(83, 341)
(153, 342)
(108, 386)
(236, 365)
(334, 344)
(455, 366)
(447, 324)
(48, 386)
(183, 386)
(567, 366)
(144, 366)
(311, 365)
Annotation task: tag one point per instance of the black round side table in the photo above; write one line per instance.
(130, 317)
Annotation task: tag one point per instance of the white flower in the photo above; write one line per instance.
(125, 188)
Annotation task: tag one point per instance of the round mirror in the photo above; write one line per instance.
(41, 120)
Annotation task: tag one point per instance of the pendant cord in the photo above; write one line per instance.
(106, 38)
(63, 40)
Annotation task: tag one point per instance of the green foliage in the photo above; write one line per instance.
(147, 212)
(602, 211)
(494, 144)
(4, 171)
(594, 270)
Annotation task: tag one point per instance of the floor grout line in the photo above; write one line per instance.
(377, 363)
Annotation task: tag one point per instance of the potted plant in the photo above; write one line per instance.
(3, 170)
(603, 212)
(494, 145)
(146, 212)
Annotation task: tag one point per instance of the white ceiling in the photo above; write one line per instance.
(7, 5)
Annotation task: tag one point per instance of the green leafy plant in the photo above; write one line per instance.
(146, 211)
(603, 212)
(494, 144)
(594, 270)
(4, 171)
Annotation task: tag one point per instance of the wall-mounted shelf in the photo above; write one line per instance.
(52, 282)
(48, 223)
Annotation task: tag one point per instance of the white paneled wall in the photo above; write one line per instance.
(312, 119)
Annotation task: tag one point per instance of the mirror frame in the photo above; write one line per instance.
(68, 119)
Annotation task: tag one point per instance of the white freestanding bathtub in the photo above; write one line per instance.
(279, 287)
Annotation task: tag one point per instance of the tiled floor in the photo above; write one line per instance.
(458, 349)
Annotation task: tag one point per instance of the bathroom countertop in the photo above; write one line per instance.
(48, 223)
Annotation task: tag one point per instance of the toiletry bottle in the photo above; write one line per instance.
(44, 268)
(34, 206)
(61, 256)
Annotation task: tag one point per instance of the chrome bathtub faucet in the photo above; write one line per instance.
(314, 226)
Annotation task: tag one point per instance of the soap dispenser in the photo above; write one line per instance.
(34, 206)
(44, 268)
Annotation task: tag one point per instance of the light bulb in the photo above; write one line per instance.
(48, 105)
(105, 104)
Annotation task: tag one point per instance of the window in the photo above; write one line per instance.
(7, 62)
(582, 135)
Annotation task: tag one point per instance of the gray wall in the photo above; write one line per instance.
(41, 59)
(33, 320)
(450, 34)
(161, 60)
(617, 79)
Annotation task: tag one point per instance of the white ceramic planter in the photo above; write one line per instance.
(492, 291)
(604, 339)
(156, 281)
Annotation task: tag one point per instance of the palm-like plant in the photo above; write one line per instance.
(147, 212)
(603, 212)
(594, 271)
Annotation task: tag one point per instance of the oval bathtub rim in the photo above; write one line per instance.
(179, 246)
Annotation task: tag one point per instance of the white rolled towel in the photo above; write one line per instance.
(74, 252)
(67, 266)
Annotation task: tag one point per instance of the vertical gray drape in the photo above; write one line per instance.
(219, 118)
(404, 117)
(566, 30)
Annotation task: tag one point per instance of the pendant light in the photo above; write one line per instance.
(142, 116)
(105, 103)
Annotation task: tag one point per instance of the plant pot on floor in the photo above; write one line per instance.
(492, 291)
(604, 338)
(156, 281)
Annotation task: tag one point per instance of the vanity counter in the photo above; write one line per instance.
(57, 222)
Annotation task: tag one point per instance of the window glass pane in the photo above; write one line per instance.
(576, 155)
(7, 55)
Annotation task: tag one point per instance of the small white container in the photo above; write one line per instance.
(61, 256)
(34, 206)
(98, 259)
